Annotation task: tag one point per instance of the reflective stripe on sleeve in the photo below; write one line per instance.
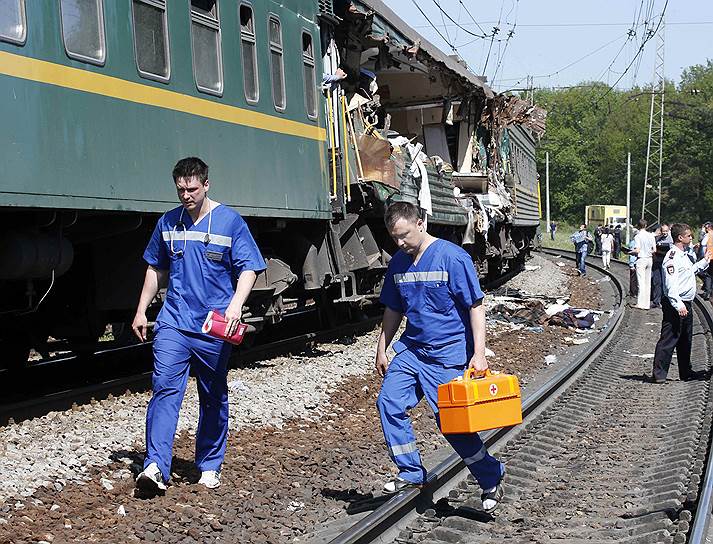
(415, 277)
(403, 449)
(479, 456)
(195, 236)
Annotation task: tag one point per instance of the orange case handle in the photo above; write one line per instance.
(470, 372)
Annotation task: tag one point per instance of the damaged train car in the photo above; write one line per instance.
(100, 99)
(425, 129)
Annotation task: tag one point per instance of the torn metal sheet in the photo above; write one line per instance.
(390, 26)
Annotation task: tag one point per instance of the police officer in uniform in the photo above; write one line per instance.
(677, 326)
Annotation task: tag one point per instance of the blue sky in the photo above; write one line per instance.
(565, 42)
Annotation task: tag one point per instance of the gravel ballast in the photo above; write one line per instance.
(305, 443)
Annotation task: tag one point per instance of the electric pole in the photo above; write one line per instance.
(628, 197)
(651, 205)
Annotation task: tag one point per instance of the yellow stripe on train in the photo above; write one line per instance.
(82, 80)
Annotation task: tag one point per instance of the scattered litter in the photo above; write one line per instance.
(121, 510)
(237, 386)
(550, 359)
(537, 328)
(556, 308)
(579, 341)
(295, 505)
(643, 355)
(560, 264)
(106, 484)
(489, 352)
(650, 323)
(603, 279)
(531, 267)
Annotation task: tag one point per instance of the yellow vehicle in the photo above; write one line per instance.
(605, 215)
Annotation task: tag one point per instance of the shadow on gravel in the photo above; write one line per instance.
(358, 502)
(183, 471)
(443, 509)
(636, 377)
(696, 376)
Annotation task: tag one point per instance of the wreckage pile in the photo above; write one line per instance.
(417, 125)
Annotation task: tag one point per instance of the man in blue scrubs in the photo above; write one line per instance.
(434, 284)
(205, 254)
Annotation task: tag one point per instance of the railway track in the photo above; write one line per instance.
(63, 381)
(58, 397)
(602, 456)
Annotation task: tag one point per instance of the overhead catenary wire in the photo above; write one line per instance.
(445, 27)
(511, 33)
(496, 29)
(434, 26)
(471, 16)
(575, 24)
(458, 25)
(648, 36)
(580, 59)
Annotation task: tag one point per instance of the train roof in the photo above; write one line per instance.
(386, 23)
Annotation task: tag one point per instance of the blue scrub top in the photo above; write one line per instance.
(435, 295)
(201, 276)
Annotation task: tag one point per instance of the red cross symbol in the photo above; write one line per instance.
(493, 389)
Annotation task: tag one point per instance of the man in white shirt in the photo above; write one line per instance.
(645, 247)
(680, 289)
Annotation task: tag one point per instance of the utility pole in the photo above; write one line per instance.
(547, 187)
(628, 197)
(654, 149)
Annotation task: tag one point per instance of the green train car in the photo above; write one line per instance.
(100, 98)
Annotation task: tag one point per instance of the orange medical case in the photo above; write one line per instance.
(469, 404)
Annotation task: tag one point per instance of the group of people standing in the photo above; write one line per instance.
(647, 252)
(606, 241)
(662, 269)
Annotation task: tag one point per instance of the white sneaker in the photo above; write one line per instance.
(398, 484)
(210, 479)
(151, 479)
(491, 498)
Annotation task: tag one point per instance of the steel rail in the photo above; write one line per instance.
(704, 505)
(62, 400)
(702, 516)
(384, 518)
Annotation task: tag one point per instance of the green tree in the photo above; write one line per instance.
(591, 127)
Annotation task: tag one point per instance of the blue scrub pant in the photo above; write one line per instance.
(411, 376)
(174, 352)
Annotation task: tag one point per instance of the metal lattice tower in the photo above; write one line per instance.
(651, 207)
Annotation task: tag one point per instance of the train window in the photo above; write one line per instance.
(277, 68)
(205, 41)
(13, 25)
(83, 30)
(249, 53)
(151, 38)
(309, 75)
